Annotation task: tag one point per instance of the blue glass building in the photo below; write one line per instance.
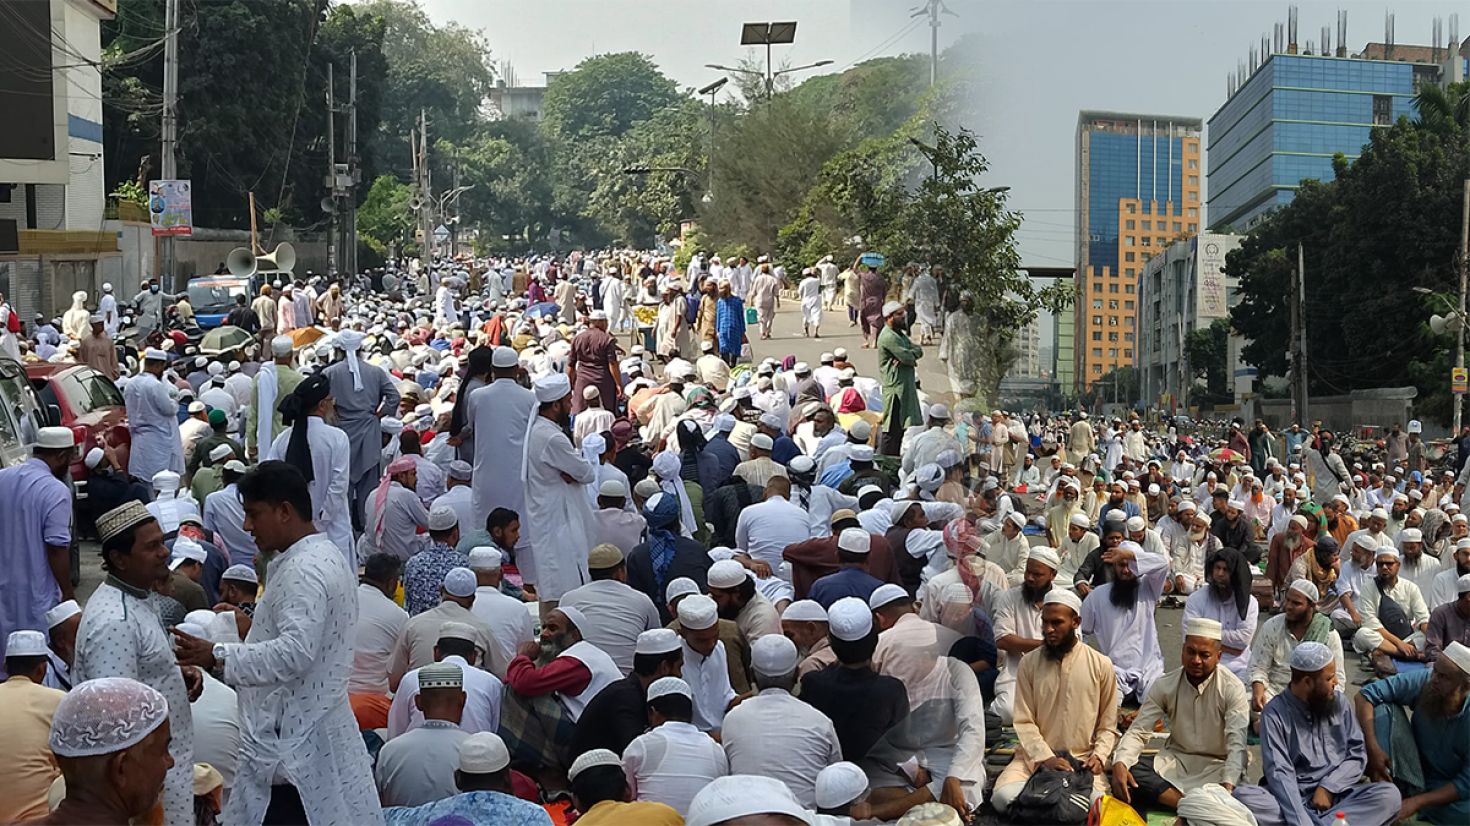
(1293, 114)
(1138, 190)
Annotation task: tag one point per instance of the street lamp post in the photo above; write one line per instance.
(709, 149)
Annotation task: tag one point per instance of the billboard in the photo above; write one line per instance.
(170, 208)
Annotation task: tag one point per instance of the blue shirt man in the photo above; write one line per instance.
(852, 578)
(1441, 734)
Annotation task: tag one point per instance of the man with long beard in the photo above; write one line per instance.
(1313, 755)
(550, 682)
(1120, 615)
(1228, 601)
(1445, 582)
(1417, 566)
(1018, 626)
(1283, 551)
(1439, 698)
(1280, 635)
(1066, 701)
(1449, 623)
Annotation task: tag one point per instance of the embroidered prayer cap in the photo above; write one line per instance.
(850, 619)
(440, 675)
(1310, 657)
(61, 613)
(680, 587)
(593, 758)
(726, 573)
(25, 643)
(553, 387)
(485, 558)
(931, 814)
(1306, 588)
(886, 594)
(698, 612)
(120, 519)
(454, 630)
(664, 686)
(460, 582)
(105, 716)
(1203, 627)
(657, 641)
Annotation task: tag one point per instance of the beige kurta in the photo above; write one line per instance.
(1069, 706)
(1206, 729)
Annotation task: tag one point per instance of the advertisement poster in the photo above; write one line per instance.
(170, 207)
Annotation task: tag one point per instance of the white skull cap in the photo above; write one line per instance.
(849, 619)
(1311, 657)
(739, 795)
(840, 784)
(105, 716)
(805, 610)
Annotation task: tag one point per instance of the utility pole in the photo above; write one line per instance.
(1299, 363)
(426, 212)
(933, 8)
(348, 260)
(1293, 355)
(332, 257)
(170, 126)
(1464, 275)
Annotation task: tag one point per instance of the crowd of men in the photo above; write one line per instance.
(518, 540)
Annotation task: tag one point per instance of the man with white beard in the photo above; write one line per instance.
(1080, 541)
(1283, 512)
(1175, 522)
(1187, 557)
(1417, 567)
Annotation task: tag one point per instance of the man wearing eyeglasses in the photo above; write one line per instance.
(1394, 615)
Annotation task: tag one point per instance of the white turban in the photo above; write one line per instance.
(351, 341)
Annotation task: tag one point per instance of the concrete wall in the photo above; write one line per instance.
(200, 254)
(1345, 412)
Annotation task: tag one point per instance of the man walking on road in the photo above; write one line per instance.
(897, 359)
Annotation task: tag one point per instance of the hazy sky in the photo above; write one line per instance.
(1043, 61)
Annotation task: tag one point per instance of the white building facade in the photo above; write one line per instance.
(1182, 289)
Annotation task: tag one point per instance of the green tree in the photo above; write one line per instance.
(384, 221)
(1208, 352)
(444, 71)
(604, 97)
(965, 230)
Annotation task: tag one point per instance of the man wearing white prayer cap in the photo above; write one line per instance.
(1017, 623)
(421, 634)
(362, 392)
(1438, 697)
(740, 797)
(841, 788)
(152, 420)
(99, 726)
(483, 779)
(557, 525)
(1066, 700)
(459, 495)
(619, 712)
(417, 766)
(1313, 749)
(62, 622)
(733, 589)
(774, 734)
(1279, 636)
(804, 622)
(851, 579)
(1207, 713)
(602, 793)
(1444, 589)
(706, 668)
(26, 708)
(674, 760)
(1393, 627)
(275, 380)
(1120, 614)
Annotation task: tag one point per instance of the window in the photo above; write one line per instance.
(1130, 272)
(1112, 336)
(1147, 241)
(1112, 321)
(1127, 305)
(1129, 320)
(1194, 180)
(1128, 337)
(1128, 224)
(1176, 226)
(1112, 288)
(1194, 227)
(1194, 163)
(1113, 305)
(1128, 240)
(1097, 320)
(1097, 352)
(1097, 335)
(1097, 286)
(1097, 369)
(1097, 303)
(1131, 208)
(1382, 110)
(1192, 212)
(1129, 290)
(1148, 224)
(1112, 352)
(1128, 256)
(1127, 354)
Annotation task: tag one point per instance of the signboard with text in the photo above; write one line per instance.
(171, 207)
(1459, 380)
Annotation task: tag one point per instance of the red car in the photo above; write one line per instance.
(89, 403)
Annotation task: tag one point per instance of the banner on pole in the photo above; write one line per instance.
(1459, 379)
(171, 207)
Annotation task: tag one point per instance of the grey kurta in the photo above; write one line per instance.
(357, 410)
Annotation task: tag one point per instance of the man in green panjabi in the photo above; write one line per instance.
(897, 359)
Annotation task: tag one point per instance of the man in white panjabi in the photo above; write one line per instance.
(121, 635)
(924, 293)
(810, 292)
(300, 746)
(152, 420)
(558, 523)
(498, 415)
(323, 454)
